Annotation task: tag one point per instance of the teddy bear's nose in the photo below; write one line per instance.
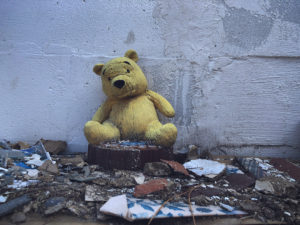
(119, 83)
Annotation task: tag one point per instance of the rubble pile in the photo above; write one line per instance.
(33, 181)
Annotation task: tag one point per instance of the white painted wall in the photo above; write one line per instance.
(230, 68)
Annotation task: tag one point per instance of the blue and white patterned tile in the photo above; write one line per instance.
(131, 208)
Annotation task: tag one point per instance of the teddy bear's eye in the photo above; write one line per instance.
(128, 71)
(109, 78)
(127, 62)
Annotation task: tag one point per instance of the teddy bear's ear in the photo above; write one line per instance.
(97, 69)
(131, 54)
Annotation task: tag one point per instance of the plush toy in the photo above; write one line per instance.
(129, 112)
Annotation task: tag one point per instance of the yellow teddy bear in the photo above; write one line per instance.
(129, 112)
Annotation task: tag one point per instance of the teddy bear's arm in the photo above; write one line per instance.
(103, 111)
(161, 104)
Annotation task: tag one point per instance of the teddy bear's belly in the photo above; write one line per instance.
(133, 116)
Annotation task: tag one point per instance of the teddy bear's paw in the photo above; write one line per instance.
(96, 132)
(164, 135)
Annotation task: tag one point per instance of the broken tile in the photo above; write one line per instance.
(157, 169)
(136, 209)
(176, 166)
(204, 167)
(150, 187)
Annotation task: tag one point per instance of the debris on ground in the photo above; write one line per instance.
(204, 167)
(32, 180)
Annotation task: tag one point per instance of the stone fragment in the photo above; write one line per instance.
(150, 187)
(20, 145)
(268, 213)
(122, 182)
(18, 217)
(54, 147)
(8, 207)
(264, 186)
(157, 169)
(72, 160)
(204, 167)
(192, 152)
(100, 181)
(277, 186)
(93, 193)
(54, 205)
(239, 181)
(200, 200)
(250, 206)
(49, 166)
(176, 166)
(77, 208)
(86, 171)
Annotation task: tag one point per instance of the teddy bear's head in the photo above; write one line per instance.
(122, 77)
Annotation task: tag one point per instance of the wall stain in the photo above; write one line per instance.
(288, 10)
(130, 38)
(246, 30)
(14, 83)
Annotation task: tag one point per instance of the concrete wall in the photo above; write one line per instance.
(230, 68)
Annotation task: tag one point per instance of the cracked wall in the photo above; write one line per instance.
(230, 68)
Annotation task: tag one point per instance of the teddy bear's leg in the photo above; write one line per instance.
(96, 132)
(164, 135)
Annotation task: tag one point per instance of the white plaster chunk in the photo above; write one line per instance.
(116, 206)
(32, 173)
(264, 186)
(139, 178)
(34, 160)
(3, 198)
(204, 167)
(18, 184)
